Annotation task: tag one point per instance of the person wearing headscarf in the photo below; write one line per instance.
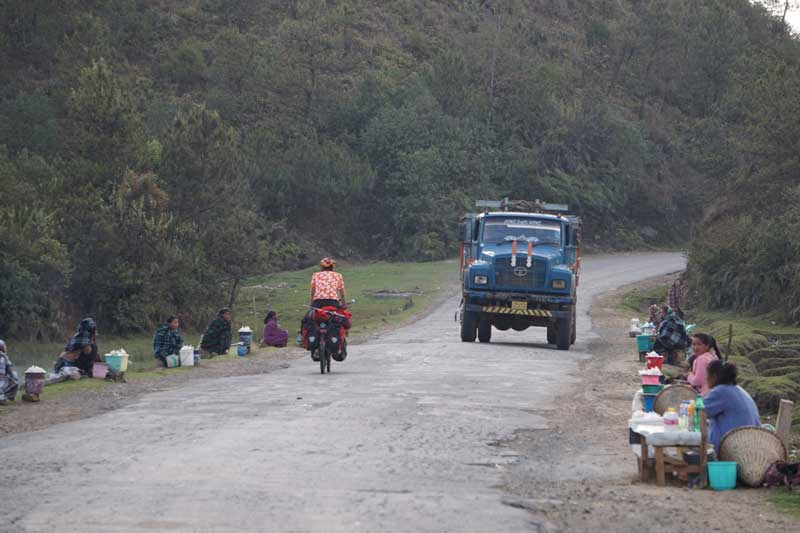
(217, 337)
(81, 349)
(9, 380)
(167, 340)
(273, 334)
(671, 337)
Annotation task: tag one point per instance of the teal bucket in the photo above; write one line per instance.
(722, 475)
(643, 343)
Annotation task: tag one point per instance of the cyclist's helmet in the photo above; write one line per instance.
(327, 262)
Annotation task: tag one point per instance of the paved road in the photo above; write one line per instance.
(399, 438)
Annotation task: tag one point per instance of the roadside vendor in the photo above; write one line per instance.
(167, 340)
(671, 337)
(217, 337)
(273, 334)
(705, 350)
(9, 380)
(81, 349)
(728, 406)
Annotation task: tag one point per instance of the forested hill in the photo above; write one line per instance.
(154, 152)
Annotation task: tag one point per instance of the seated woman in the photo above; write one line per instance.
(273, 334)
(728, 406)
(705, 350)
(81, 349)
(671, 338)
(217, 338)
(9, 380)
(167, 340)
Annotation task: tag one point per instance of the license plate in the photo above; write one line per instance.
(519, 306)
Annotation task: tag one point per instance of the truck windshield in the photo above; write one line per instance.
(497, 230)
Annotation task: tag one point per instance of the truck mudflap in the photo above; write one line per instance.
(498, 310)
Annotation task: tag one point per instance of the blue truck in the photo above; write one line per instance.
(520, 267)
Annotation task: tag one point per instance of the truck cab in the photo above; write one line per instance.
(518, 270)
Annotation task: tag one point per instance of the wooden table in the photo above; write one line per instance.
(685, 469)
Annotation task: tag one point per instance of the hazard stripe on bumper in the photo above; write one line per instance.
(542, 313)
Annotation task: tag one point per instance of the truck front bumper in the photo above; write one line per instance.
(521, 296)
(499, 310)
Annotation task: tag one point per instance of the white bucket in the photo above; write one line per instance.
(187, 356)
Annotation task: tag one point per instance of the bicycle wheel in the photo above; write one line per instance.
(328, 357)
(323, 357)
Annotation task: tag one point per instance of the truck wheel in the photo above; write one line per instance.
(551, 334)
(469, 326)
(574, 327)
(484, 330)
(564, 333)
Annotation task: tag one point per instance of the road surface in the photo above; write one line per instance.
(401, 437)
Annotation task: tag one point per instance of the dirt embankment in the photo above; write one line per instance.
(581, 475)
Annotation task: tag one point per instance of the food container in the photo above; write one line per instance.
(651, 380)
(34, 380)
(99, 370)
(654, 360)
(643, 343)
(652, 389)
(648, 401)
(117, 361)
(187, 356)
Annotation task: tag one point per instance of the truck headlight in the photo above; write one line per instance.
(559, 284)
(481, 280)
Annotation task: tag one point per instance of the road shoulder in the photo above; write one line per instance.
(580, 475)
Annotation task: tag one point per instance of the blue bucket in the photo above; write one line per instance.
(643, 343)
(648, 401)
(722, 475)
(241, 350)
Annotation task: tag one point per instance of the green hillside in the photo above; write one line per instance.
(153, 153)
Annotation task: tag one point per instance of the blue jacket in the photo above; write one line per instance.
(729, 407)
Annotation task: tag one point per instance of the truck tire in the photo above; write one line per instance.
(484, 330)
(574, 327)
(469, 326)
(564, 333)
(551, 334)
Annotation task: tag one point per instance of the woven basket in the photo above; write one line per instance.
(754, 449)
(672, 396)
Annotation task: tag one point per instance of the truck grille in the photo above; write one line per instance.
(533, 279)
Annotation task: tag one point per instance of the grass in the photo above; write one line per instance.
(288, 294)
(787, 500)
(638, 301)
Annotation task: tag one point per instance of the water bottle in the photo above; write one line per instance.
(699, 406)
(690, 416)
(683, 416)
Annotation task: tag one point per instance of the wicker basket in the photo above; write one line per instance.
(754, 449)
(672, 396)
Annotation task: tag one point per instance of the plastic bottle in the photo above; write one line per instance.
(699, 406)
(683, 416)
(690, 416)
(671, 420)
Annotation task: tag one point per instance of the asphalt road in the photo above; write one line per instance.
(401, 437)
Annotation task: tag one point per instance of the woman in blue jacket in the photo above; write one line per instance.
(728, 406)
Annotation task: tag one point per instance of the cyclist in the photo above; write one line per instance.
(327, 286)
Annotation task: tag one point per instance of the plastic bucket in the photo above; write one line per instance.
(117, 363)
(99, 370)
(654, 361)
(241, 350)
(34, 382)
(648, 401)
(722, 475)
(173, 361)
(643, 343)
(651, 380)
(652, 389)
